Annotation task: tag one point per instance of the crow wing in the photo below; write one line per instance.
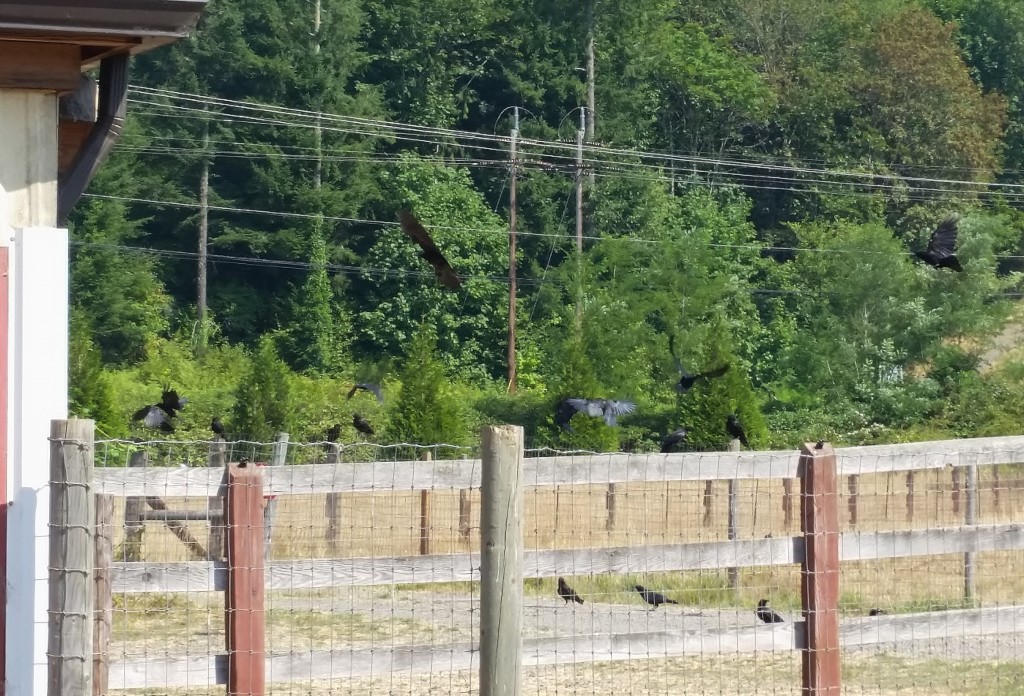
(431, 254)
(943, 240)
(717, 372)
(616, 408)
(591, 407)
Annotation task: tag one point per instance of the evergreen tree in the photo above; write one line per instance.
(263, 401)
(579, 380)
(90, 394)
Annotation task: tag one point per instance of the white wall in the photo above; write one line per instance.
(38, 394)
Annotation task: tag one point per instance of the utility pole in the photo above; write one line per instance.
(592, 121)
(579, 180)
(318, 165)
(512, 254)
(204, 212)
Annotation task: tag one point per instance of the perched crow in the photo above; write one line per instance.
(766, 614)
(674, 438)
(360, 424)
(941, 250)
(154, 417)
(370, 387)
(600, 408)
(732, 424)
(431, 254)
(820, 444)
(875, 612)
(567, 593)
(217, 427)
(655, 599)
(686, 379)
(333, 433)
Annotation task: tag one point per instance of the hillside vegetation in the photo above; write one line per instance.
(755, 181)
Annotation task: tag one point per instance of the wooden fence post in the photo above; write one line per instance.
(332, 506)
(734, 513)
(244, 619)
(819, 512)
(787, 503)
(104, 595)
(971, 519)
(853, 488)
(609, 506)
(215, 504)
(270, 511)
(72, 555)
(995, 488)
(709, 503)
(501, 561)
(425, 512)
(134, 507)
(465, 511)
(910, 496)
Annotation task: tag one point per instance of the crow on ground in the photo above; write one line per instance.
(430, 253)
(567, 593)
(673, 439)
(217, 427)
(732, 425)
(941, 249)
(876, 612)
(655, 599)
(360, 424)
(367, 386)
(686, 378)
(764, 613)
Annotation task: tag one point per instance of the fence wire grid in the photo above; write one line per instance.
(373, 569)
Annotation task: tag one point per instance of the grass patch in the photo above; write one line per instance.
(341, 628)
(966, 677)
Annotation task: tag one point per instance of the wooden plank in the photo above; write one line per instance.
(199, 671)
(465, 513)
(133, 578)
(732, 522)
(134, 505)
(46, 66)
(277, 461)
(970, 519)
(69, 654)
(103, 562)
(425, 512)
(853, 491)
(217, 461)
(172, 521)
(787, 503)
(597, 469)
(819, 586)
(332, 506)
(501, 561)
(244, 600)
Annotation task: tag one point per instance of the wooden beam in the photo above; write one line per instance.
(244, 601)
(354, 663)
(588, 469)
(53, 67)
(104, 596)
(821, 568)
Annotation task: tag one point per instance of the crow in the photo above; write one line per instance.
(875, 612)
(674, 438)
(431, 254)
(217, 427)
(941, 250)
(605, 408)
(820, 444)
(764, 613)
(333, 433)
(360, 424)
(370, 387)
(154, 417)
(655, 599)
(567, 593)
(170, 402)
(686, 379)
(732, 424)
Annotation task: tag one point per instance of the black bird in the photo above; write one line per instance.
(655, 599)
(687, 379)
(732, 424)
(360, 424)
(154, 417)
(217, 427)
(766, 614)
(567, 593)
(602, 408)
(941, 250)
(820, 445)
(170, 402)
(875, 612)
(674, 438)
(370, 387)
(333, 433)
(431, 254)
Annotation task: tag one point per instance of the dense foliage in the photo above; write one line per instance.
(756, 177)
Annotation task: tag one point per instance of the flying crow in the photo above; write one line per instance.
(732, 424)
(360, 424)
(941, 250)
(431, 254)
(567, 593)
(766, 614)
(674, 438)
(154, 417)
(655, 599)
(602, 408)
(170, 402)
(370, 387)
(687, 379)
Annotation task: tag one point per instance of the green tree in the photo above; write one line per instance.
(263, 399)
(90, 394)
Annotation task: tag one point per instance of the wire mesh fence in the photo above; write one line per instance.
(373, 569)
